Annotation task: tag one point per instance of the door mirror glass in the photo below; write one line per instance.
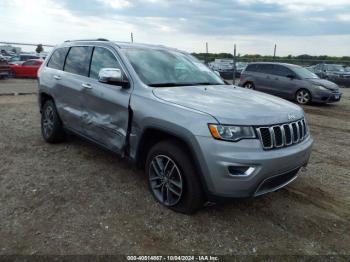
(291, 76)
(112, 76)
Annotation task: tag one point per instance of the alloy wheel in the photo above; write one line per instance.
(165, 180)
(303, 97)
(48, 121)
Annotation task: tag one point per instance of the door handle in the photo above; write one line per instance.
(57, 77)
(88, 86)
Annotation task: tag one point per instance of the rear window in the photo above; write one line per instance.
(78, 60)
(57, 58)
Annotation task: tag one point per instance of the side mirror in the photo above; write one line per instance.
(112, 76)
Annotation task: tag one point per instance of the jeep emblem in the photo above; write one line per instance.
(291, 117)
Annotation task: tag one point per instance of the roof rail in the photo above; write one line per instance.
(98, 39)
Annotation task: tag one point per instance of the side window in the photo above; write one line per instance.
(78, 60)
(282, 71)
(266, 68)
(102, 58)
(57, 59)
(252, 68)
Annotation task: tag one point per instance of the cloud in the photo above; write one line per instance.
(254, 24)
(116, 4)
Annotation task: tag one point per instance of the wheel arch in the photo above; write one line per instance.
(43, 97)
(153, 135)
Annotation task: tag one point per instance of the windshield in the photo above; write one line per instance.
(303, 73)
(170, 68)
(339, 68)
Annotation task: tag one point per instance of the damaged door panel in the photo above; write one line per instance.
(105, 106)
(105, 117)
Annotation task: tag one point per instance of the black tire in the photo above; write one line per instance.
(51, 125)
(249, 85)
(191, 197)
(303, 97)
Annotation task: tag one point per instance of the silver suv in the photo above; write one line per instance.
(197, 138)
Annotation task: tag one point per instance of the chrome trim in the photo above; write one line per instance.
(301, 133)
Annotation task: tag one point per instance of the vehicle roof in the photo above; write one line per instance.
(276, 63)
(118, 44)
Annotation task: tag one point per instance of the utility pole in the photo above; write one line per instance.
(234, 65)
(132, 37)
(207, 51)
(274, 53)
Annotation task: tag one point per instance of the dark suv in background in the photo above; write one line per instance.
(289, 81)
(333, 72)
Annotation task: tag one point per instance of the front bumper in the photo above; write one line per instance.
(273, 169)
(326, 97)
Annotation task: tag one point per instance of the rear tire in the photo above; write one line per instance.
(249, 85)
(172, 178)
(51, 125)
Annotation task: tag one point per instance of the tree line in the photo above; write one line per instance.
(300, 59)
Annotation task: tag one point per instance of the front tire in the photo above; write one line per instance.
(51, 125)
(303, 97)
(172, 178)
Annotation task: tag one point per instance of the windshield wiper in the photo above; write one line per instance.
(182, 84)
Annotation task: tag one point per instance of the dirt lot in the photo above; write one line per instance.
(74, 198)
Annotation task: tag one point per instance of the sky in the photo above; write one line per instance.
(315, 27)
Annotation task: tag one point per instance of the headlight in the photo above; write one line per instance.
(321, 88)
(231, 133)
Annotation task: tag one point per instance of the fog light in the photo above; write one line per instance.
(239, 171)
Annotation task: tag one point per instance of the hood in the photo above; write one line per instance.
(323, 82)
(232, 105)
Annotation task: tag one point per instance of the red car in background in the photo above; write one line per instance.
(26, 69)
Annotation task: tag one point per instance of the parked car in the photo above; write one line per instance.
(333, 72)
(4, 68)
(22, 58)
(197, 138)
(289, 81)
(26, 69)
(311, 68)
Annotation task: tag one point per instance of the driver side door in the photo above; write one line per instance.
(105, 106)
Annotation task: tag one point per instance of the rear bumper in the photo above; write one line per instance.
(272, 169)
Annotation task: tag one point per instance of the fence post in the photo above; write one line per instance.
(234, 65)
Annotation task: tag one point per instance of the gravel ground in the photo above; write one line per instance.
(74, 198)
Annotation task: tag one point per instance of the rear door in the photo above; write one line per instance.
(76, 73)
(106, 106)
(265, 78)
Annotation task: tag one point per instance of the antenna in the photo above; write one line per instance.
(132, 37)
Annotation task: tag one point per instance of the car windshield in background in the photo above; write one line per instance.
(304, 73)
(161, 68)
(338, 68)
